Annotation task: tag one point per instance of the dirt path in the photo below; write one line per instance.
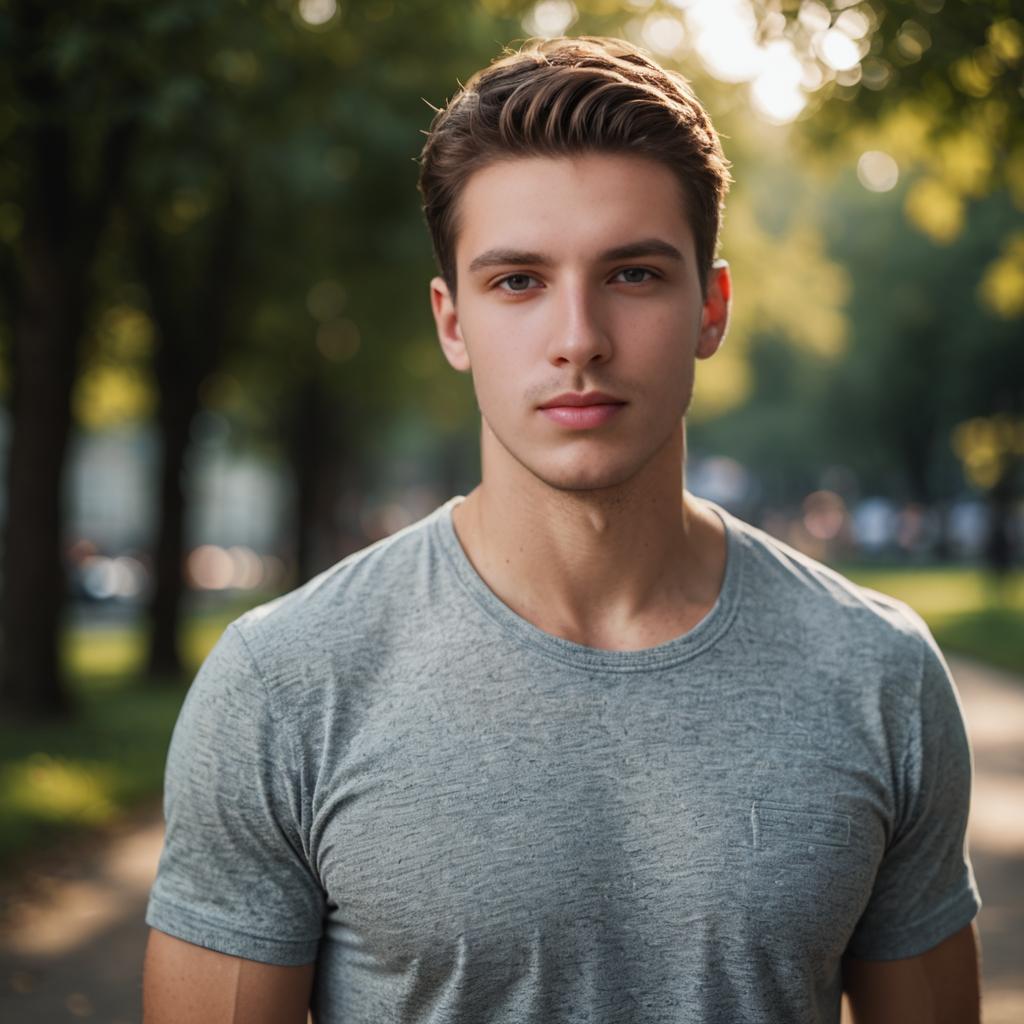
(994, 708)
(72, 943)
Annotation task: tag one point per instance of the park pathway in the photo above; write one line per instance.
(71, 942)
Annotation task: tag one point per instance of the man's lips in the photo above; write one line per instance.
(581, 410)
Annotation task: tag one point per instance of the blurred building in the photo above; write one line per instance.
(112, 483)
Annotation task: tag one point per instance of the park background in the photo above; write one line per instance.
(218, 371)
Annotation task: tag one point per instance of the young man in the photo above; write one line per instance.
(579, 747)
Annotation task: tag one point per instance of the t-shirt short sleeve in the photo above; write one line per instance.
(233, 875)
(925, 890)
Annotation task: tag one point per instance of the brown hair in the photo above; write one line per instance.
(559, 97)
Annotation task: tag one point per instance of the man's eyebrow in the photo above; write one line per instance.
(632, 250)
(503, 257)
(646, 247)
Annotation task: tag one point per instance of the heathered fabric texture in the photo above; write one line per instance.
(463, 818)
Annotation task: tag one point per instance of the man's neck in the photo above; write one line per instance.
(621, 568)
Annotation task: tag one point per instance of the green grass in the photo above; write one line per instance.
(969, 610)
(62, 777)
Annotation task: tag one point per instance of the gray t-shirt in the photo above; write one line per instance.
(463, 818)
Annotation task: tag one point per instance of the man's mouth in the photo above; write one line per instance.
(581, 410)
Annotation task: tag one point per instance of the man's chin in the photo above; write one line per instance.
(577, 479)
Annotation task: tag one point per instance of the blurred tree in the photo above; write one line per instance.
(925, 352)
(991, 449)
(248, 154)
(70, 122)
(190, 311)
(937, 86)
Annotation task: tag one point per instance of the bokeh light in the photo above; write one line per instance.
(854, 23)
(776, 93)
(210, 568)
(838, 50)
(825, 515)
(814, 16)
(317, 12)
(877, 171)
(663, 33)
(724, 33)
(550, 18)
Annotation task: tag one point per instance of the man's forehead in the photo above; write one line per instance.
(599, 206)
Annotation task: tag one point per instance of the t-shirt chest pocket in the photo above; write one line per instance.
(810, 871)
(772, 824)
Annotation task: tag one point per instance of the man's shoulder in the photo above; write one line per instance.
(364, 591)
(824, 599)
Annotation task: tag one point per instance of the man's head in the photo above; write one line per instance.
(574, 191)
(567, 97)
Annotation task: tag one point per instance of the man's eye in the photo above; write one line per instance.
(636, 275)
(515, 283)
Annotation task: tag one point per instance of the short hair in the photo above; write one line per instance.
(570, 96)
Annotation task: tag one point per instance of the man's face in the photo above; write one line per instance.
(577, 283)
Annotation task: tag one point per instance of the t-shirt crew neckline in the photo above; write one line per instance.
(681, 648)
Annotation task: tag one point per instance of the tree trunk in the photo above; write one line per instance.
(999, 547)
(44, 363)
(191, 327)
(52, 281)
(174, 419)
(314, 464)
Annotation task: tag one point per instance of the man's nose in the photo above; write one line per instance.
(579, 336)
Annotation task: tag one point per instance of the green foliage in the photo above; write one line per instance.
(923, 351)
(940, 82)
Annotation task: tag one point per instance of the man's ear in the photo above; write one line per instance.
(447, 320)
(715, 315)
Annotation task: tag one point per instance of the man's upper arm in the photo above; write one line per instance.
(235, 875)
(938, 987)
(924, 889)
(187, 984)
